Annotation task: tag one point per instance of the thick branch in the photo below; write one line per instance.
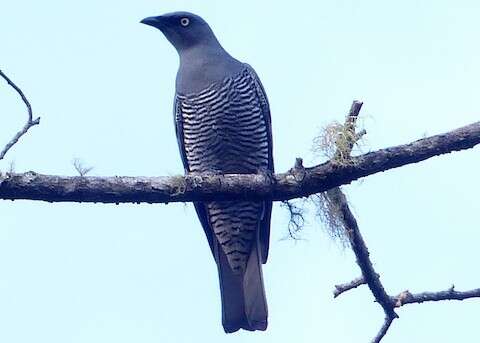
(281, 187)
(30, 121)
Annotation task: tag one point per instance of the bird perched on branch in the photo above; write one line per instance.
(222, 122)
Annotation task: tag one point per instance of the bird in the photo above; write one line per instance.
(223, 126)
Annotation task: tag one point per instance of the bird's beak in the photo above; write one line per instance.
(153, 21)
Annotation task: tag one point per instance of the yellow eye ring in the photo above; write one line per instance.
(184, 21)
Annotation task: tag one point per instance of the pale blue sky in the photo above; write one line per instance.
(103, 84)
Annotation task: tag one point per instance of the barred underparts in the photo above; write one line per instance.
(224, 131)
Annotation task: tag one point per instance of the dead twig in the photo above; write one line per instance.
(30, 121)
(296, 220)
(344, 287)
(406, 297)
(80, 168)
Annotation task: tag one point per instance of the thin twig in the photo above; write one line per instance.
(80, 168)
(344, 287)
(30, 121)
(296, 220)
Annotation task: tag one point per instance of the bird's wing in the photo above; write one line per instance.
(265, 223)
(199, 207)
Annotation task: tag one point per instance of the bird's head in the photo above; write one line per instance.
(183, 29)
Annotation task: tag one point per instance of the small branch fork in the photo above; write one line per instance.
(30, 121)
(369, 276)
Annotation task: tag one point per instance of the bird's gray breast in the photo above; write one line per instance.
(225, 131)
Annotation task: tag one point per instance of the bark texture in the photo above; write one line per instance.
(297, 182)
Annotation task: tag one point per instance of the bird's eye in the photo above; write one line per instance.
(184, 21)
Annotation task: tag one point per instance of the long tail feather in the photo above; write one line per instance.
(244, 305)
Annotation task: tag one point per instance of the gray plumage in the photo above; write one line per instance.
(222, 121)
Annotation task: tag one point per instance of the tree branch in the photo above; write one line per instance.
(285, 186)
(344, 287)
(406, 297)
(383, 330)
(30, 121)
(369, 275)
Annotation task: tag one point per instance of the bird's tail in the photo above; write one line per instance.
(244, 305)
